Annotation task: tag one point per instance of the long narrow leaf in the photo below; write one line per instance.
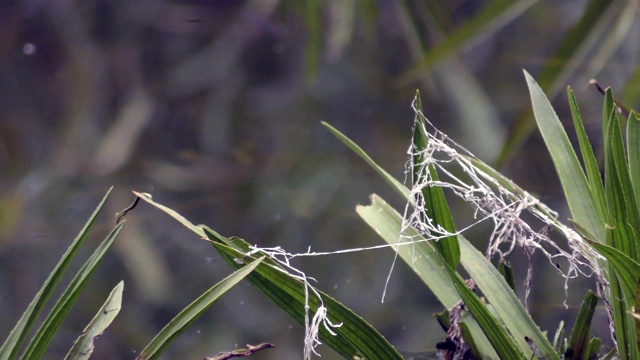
(192, 312)
(84, 345)
(395, 184)
(503, 299)
(588, 157)
(16, 338)
(435, 202)
(501, 341)
(62, 307)
(354, 338)
(574, 182)
(633, 150)
(580, 336)
(489, 280)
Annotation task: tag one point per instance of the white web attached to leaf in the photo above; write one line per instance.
(493, 198)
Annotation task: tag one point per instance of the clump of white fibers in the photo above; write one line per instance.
(493, 198)
(311, 327)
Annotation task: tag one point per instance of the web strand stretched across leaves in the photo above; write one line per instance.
(490, 200)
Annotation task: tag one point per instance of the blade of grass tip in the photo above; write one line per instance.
(192, 312)
(574, 182)
(434, 200)
(579, 341)
(16, 338)
(84, 345)
(49, 327)
(593, 348)
(395, 184)
(354, 338)
(588, 157)
(181, 219)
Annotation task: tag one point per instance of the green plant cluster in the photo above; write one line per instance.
(483, 318)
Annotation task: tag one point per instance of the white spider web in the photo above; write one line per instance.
(492, 197)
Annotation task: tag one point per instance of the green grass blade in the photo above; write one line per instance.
(499, 338)
(579, 342)
(633, 149)
(192, 312)
(16, 338)
(491, 18)
(588, 157)
(84, 345)
(574, 182)
(619, 191)
(354, 338)
(434, 200)
(49, 327)
(503, 300)
(626, 269)
(181, 219)
(419, 257)
(395, 184)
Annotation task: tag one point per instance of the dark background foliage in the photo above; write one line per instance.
(214, 107)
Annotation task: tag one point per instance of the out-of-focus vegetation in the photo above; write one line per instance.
(214, 108)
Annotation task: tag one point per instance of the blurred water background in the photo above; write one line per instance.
(214, 107)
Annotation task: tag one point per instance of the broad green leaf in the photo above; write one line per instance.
(193, 311)
(488, 279)
(435, 202)
(84, 345)
(588, 157)
(579, 342)
(491, 18)
(420, 255)
(50, 326)
(574, 182)
(422, 258)
(499, 338)
(16, 338)
(354, 338)
(395, 184)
